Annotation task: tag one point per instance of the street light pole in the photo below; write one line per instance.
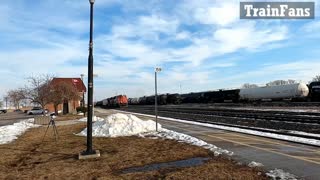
(83, 104)
(6, 98)
(90, 86)
(156, 96)
(94, 75)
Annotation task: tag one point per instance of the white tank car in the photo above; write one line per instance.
(298, 90)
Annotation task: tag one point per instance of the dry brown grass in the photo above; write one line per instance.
(30, 158)
(68, 117)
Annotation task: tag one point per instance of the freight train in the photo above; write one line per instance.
(116, 101)
(289, 92)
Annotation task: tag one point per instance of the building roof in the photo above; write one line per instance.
(77, 82)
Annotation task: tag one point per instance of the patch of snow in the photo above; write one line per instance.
(120, 125)
(246, 131)
(280, 174)
(180, 137)
(127, 124)
(255, 164)
(11, 132)
(304, 133)
(80, 114)
(94, 119)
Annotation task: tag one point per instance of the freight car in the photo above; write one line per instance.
(143, 100)
(173, 99)
(192, 97)
(314, 91)
(221, 96)
(133, 101)
(162, 99)
(150, 100)
(98, 103)
(211, 96)
(289, 91)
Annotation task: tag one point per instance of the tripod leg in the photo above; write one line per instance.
(46, 131)
(55, 130)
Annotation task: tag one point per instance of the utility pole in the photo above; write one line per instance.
(156, 96)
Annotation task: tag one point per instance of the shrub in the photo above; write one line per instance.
(81, 109)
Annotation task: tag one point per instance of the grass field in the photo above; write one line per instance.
(30, 158)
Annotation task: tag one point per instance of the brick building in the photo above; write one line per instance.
(69, 106)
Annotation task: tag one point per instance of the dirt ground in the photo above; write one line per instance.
(30, 158)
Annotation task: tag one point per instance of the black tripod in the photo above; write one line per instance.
(55, 131)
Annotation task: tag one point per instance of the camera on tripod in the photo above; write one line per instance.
(53, 124)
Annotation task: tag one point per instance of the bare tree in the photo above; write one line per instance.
(281, 82)
(38, 89)
(15, 96)
(248, 85)
(291, 81)
(317, 78)
(1, 103)
(62, 92)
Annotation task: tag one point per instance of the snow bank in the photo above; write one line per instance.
(120, 125)
(126, 125)
(94, 119)
(11, 132)
(280, 174)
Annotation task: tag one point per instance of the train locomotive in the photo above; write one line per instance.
(112, 102)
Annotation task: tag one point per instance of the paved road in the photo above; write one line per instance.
(13, 117)
(301, 160)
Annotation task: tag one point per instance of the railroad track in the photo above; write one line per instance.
(268, 104)
(278, 120)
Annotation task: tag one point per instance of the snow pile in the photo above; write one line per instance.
(11, 132)
(180, 137)
(255, 164)
(120, 125)
(126, 125)
(280, 174)
(94, 119)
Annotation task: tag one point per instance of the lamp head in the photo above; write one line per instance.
(91, 1)
(158, 69)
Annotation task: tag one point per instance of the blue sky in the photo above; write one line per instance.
(200, 45)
